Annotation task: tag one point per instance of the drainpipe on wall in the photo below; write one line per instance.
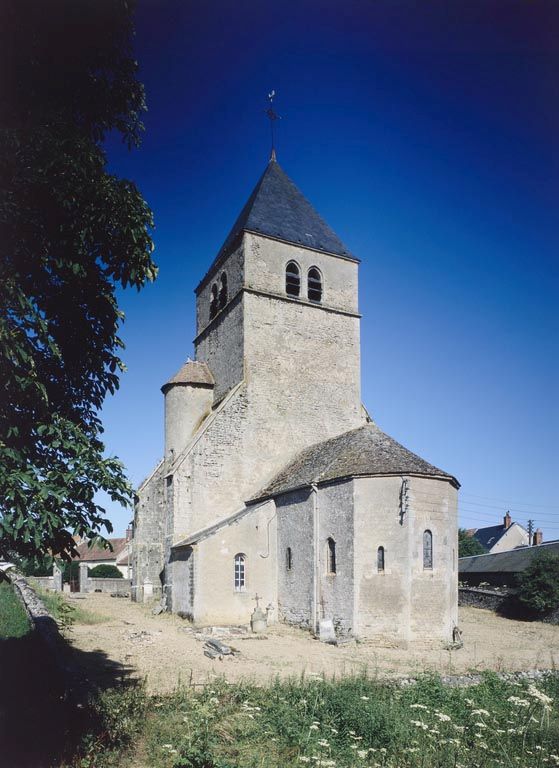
(316, 558)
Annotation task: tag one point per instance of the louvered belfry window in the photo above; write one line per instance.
(292, 279)
(314, 288)
(223, 291)
(214, 302)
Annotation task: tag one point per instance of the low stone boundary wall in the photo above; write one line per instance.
(42, 623)
(482, 598)
(107, 585)
(43, 582)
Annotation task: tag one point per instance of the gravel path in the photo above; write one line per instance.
(164, 650)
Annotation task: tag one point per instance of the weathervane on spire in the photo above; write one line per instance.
(272, 116)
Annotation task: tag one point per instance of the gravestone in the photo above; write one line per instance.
(326, 632)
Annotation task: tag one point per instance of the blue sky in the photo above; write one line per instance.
(426, 134)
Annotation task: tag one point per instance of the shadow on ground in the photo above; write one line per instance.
(44, 712)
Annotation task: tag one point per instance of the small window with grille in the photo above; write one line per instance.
(427, 550)
(240, 572)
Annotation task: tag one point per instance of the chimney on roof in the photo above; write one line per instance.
(537, 538)
(507, 520)
(129, 533)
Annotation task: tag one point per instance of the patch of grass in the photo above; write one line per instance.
(349, 723)
(66, 613)
(356, 722)
(13, 619)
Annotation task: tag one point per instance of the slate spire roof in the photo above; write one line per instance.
(365, 451)
(278, 209)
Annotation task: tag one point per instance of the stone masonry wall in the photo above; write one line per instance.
(295, 585)
(336, 591)
(147, 547)
(405, 601)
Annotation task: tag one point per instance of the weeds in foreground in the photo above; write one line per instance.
(67, 614)
(354, 723)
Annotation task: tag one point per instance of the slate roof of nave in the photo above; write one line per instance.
(365, 451)
(278, 209)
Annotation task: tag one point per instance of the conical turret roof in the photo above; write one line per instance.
(277, 208)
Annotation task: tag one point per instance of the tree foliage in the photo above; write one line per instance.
(538, 588)
(105, 572)
(469, 545)
(71, 234)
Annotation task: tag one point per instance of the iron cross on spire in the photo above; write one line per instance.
(272, 116)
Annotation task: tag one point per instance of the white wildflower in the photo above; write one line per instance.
(480, 725)
(303, 759)
(479, 712)
(442, 717)
(313, 727)
(362, 753)
(364, 698)
(418, 706)
(535, 693)
(323, 743)
(518, 702)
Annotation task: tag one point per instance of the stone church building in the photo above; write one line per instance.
(275, 480)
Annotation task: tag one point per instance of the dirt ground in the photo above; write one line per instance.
(163, 649)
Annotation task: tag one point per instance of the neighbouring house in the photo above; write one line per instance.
(275, 480)
(501, 538)
(98, 555)
(501, 568)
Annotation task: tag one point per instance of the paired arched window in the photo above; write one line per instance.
(214, 301)
(288, 558)
(293, 282)
(292, 279)
(240, 572)
(427, 549)
(330, 556)
(223, 291)
(314, 285)
(380, 559)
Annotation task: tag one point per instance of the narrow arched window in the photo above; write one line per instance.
(427, 549)
(330, 556)
(292, 279)
(288, 558)
(240, 572)
(214, 302)
(223, 291)
(314, 285)
(380, 559)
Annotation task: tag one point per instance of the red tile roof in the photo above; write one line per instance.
(97, 552)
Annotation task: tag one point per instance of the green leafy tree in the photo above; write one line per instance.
(105, 572)
(469, 545)
(71, 234)
(538, 588)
